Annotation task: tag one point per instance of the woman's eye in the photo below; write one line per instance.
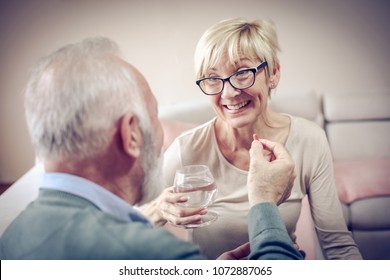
(211, 81)
(243, 73)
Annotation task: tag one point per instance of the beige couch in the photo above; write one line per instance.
(358, 130)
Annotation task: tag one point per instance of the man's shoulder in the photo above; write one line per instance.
(88, 234)
(144, 242)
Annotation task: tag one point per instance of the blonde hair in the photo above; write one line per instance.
(236, 37)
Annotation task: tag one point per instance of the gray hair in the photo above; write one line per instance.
(76, 95)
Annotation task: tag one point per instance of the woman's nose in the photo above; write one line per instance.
(229, 91)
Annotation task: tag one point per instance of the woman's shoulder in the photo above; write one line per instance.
(192, 146)
(305, 127)
(306, 133)
(193, 140)
(200, 132)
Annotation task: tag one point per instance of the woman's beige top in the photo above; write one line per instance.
(308, 146)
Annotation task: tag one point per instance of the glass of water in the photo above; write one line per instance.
(197, 182)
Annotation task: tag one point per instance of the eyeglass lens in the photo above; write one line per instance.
(239, 80)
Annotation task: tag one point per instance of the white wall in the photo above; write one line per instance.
(329, 46)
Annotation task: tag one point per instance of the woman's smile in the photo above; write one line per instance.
(237, 107)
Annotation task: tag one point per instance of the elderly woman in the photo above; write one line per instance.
(237, 66)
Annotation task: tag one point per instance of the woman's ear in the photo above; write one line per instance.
(275, 77)
(131, 135)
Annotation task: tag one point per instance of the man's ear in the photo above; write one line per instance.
(131, 135)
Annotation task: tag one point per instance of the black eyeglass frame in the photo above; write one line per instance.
(254, 70)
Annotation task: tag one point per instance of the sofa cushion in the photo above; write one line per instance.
(193, 111)
(358, 179)
(178, 117)
(370, 214)
(173, 129)
(305, 104)
(367, 106)
(357, 125)
(359, 139)
(373, 245)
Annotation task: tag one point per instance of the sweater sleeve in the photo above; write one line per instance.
(335, 239)
(268, 236)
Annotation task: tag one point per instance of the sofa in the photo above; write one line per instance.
(358, 130)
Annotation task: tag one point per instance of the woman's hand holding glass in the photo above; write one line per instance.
(175, 214)
(185, 203)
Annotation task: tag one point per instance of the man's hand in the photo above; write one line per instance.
(239, 253)
(269, 180)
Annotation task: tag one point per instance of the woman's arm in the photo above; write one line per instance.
(335, 239)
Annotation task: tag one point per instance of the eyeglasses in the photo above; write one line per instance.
(242, 79)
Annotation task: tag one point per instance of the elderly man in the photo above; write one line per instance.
(93, 121)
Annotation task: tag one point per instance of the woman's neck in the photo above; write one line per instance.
(234, 143)
(272, 126)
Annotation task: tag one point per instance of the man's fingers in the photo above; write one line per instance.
(256, 149)
(276, 149)
(238, 253)
(241, 252)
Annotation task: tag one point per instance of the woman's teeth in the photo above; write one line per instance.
(238, 106)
